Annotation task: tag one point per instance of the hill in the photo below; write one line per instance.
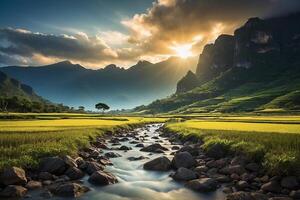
(255, 70)
(75, 85)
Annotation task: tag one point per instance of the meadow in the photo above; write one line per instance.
(272, 140)
(23, 142)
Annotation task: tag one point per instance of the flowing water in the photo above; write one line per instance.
(135, 183)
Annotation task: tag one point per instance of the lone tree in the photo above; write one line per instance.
(102, 106)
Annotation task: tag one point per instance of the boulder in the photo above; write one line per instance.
(31, 185)
(216, 151)
(102, 178)
(69, 161)
(183, 159)
(13, 191)
(125, 148)
(253, 167)
(13, 176)
(184, 174)
(233, 169)
(295, 194)
(272, 186)
(290, 182)
(112, 155)
(92, 167)
(154, 148)
(203, 184)
(53, 165)
(74, 173)
(201, 169)
(70, 190)
(241, 185)
(45, 176)
(246, 196)
(280, 198)
(140, 145)
(137, 158)
(158, 164)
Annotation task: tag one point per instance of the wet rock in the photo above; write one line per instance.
(239, 160)
(158, 164)
(101, 145)
(137, 158)
(74, 173)
(112, 155)
(184, 174)
(246, 196)
(280, 198)
(295, 194)
(241, 185)
(45, 176)
(216, 151)
(203, 184)
(13, 176)
(235, 177)
(69, 161)
(140, 145)
(31, 185)
(290, 182)
(12, 191)
(233, 169)
(272, 186)
(53, 165)
(175, 147)
(70, 190)
(201, 169)
(183, 159)
(46, 194)
(125, 148)
(102, 178)
(92, 167)
(154, 148)
(223, 179)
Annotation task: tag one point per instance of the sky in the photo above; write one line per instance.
(96, 33)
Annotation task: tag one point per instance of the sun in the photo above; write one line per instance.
(183, 51)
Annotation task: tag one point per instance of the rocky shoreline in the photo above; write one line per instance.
(238, 177)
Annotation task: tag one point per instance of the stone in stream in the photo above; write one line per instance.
(203, 184)
(70, 190)
(112, 155)
(92, 167)
(32, 185)
(183, 159)
(233, 169)
(102, 178)
(154, 148)
(69, 161)
(246, 196)
(53, 165)
(184, 174)
(137, 158)
(158, 164)
(13, 176)
(272, 186)
(45, 176)
(125, 148)
(13, 191)
(140, 145)
(74, 173)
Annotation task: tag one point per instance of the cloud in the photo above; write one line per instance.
(177, 22)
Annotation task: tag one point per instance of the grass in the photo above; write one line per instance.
(268, 140)
(24, 142)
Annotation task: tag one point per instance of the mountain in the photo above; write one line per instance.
(75, 85)
(256, 69)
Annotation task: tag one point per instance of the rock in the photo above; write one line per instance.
(272, 186)
(47, 182)
(201, 169)
(125, 148)
(74, 173)
(12, 191)
(190, 149)
(239, 160)
(295, 194)
(233, 169)
(158, 164)
(137, 158)
(53, 165)
(264, 179)
(45, 176)
(31, 185)
(241, 185)
(223, 179)
(203, 184)
(102, 178)
(253, 167)
(46, 194)
(112, 155)
(175, 148)
(216, 151)
(70, 190)
(69, 161)
(246, 196)
(154, 148)
(290, 182)
(140, 145)
(184, 174)
(280, 198)
(235, 177)
(183, 159)
(92, 167)
(13, 176)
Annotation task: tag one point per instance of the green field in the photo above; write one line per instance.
(24, 142)
(272, 140)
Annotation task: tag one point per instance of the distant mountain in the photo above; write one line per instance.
(256, 69)
(75, 85)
